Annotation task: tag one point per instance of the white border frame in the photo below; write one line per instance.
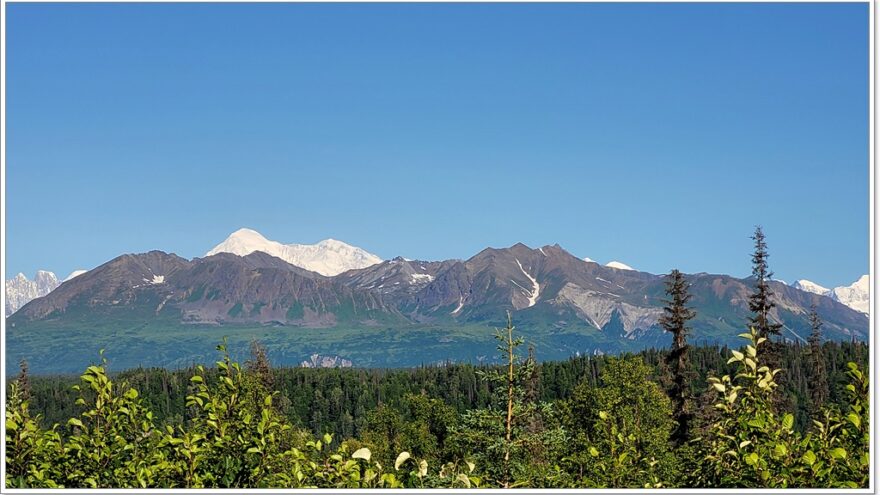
(872, 258)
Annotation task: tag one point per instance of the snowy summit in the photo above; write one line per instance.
(856, 296)
(808, 286)
(618, 265)
(328, 257)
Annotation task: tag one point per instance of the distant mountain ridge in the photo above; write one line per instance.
(564, 304)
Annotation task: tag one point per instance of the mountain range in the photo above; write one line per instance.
(159, 309)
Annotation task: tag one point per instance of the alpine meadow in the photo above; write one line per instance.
(193, 167)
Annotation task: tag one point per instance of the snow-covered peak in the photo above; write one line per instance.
(808, 286)
(74, 274)
(618, 265)
(328, 257)
(856, 296)
(863, 283)
(246, 241)
(46, 278)
(21, 290)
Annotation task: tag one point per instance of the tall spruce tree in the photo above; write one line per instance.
(676, 315)
(818, 383)
(24, 384)
(761, 301)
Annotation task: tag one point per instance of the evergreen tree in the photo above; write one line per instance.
(818, 383)
(259, 364)
(675, 318)
(503, 436)
(24, 385)
(760, 302)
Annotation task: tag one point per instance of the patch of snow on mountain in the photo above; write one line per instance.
(328, 257)
(533, 296)
(808, 286)
(418, 278)
(589, 260)
(460, 305)
(618, 265)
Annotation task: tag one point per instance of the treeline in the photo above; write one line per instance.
(337, 400)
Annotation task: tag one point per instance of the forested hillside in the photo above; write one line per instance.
(338, 400)
(586, 422)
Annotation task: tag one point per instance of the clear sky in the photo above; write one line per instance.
(656, 135)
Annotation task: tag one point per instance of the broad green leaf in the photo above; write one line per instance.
(787, 421)
(780, 450)
(809, 458)
(752, 459)
(854, 419)
(757, 422)
(838, 453)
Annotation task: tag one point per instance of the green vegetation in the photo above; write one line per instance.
(235, 310)
(615, 428)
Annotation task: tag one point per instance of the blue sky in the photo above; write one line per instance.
(657, 135)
